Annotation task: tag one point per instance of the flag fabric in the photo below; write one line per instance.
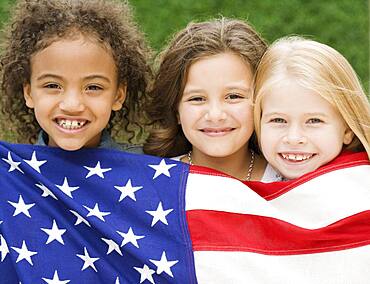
(92, 216)
(315, 229)
(103, 216)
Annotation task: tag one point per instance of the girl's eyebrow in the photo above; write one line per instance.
(315, 114)
(242, 87)
(90, 77)
(101, 77)
(272, 113)
(47, 75)
(190, 90)
(238, 87)
(284, 113)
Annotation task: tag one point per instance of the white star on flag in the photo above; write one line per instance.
(21, 207)
(3, 248)
(164, 265)
(145, 273)
(130, 237)
(55, 234)
(56, 279)
(88, 260)
(96, 171)
(128, 190)
(162, 168)
(117, 281)
(45, 191)
(13, 165)
(159, 214)
(34, 163)
(24, 253)
(66, 188)
(80, 219)
(112, 246)
(96, 212)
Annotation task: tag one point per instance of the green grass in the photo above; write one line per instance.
(342, 24)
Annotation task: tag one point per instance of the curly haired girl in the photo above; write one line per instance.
(66, 66)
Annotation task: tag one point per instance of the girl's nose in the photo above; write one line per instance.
(295, 136)
(72, 101)
(215, 112)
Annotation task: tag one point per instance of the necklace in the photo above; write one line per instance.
(250, 168)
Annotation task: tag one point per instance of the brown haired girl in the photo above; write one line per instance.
(201, 102)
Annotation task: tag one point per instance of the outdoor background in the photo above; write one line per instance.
(342, 24)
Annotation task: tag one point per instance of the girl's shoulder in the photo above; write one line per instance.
(178, 158)
(107, 142)
(271, 175)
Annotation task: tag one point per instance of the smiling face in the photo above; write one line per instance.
(300, 130)
(215, 111)
(73, 89)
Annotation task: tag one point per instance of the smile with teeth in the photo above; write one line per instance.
(296, 157)
(216, 130)
(71, 124)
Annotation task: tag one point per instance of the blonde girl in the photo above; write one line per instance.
(309, 106)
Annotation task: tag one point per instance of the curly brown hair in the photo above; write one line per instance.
(197, 40)
(38, 23)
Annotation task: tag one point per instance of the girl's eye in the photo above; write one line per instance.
(278, 120)
(52, 86)
(234, 96)
(314, 120)
(196, 99)
(94, 88)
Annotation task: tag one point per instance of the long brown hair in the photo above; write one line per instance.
(197, 40)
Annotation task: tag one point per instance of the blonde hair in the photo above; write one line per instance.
(322, 69)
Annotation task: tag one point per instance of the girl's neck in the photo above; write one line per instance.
(236, 165)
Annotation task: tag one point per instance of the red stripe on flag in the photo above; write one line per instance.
(273, 190)
(223, 231)
(270, 191)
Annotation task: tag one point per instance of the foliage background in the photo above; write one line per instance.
(342, 24)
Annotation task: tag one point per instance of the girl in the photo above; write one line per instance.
(201, 106)
(310, 106)
(310, 114)
(73, 62)
(66, 66)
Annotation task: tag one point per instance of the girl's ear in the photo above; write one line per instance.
(27, 95)
(348, 136)
(120, 97)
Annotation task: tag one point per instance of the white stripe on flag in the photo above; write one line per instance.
(351, 266)
(309, 205)
(312, 203)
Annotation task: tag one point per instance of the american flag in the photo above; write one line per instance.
(92, 216)
(100, 216)
(315, 229)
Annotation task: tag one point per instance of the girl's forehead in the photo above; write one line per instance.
(80, 56)
(73, 35)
